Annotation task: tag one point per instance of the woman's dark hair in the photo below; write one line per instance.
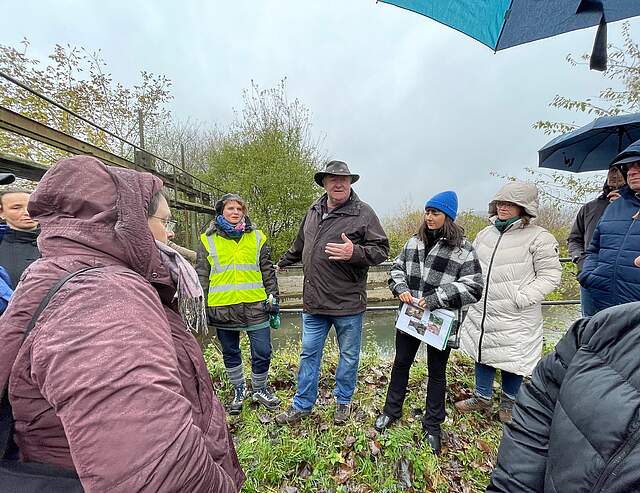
(154, 202)
(452, 233)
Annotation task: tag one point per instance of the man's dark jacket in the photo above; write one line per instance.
(576, 426)
(608, 272)
(18, 250)
(583, 227)
(335, 287)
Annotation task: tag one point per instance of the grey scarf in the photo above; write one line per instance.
(189, 293)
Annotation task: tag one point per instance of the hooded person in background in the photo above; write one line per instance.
(520, 265)
(111, 384)
(585, 224)
(235, 269)
(18, 237)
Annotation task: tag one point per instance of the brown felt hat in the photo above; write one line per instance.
(339, 168)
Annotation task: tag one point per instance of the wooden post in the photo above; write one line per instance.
(141, 129)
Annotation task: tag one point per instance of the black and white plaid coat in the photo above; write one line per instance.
(447, 277)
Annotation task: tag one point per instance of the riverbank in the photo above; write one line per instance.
(315, 455)
(379, 328)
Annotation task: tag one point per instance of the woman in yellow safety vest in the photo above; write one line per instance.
(236, 272)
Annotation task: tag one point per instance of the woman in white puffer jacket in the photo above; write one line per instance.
(520, 266)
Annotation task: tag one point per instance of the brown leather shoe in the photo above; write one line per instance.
(506, 409)
(475, 403)
(342, 413)
(291, 415)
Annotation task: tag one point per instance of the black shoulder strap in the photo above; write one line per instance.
(50, 294)
(7, 447)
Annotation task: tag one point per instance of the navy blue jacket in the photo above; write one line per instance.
(608, 272)
(5, 289)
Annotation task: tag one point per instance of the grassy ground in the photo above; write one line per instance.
(315, 455)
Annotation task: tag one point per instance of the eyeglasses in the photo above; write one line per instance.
(503, 204)
(169, 224)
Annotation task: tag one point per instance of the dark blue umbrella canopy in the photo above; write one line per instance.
(501, 24)
(630, 155)
(592, 147)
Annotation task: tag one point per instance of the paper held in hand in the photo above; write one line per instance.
(430, 327)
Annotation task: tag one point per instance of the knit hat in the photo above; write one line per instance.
(446, 202)
(226, 198)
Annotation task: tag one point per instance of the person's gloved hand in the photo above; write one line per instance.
(271, 305)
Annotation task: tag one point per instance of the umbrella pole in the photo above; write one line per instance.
(620, 134)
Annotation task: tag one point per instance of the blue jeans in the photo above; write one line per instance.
(485, 375)
(315, 329)
(259, 341)
(586, 301)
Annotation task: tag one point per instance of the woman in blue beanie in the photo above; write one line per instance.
(439, 267)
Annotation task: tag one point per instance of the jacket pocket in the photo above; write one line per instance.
(255, 313)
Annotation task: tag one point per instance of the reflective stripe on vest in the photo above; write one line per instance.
(235, 275)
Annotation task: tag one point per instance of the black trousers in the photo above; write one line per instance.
(406, 349)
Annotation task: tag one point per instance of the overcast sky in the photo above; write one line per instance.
(411, 105)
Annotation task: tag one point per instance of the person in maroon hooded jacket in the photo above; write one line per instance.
(110, 383)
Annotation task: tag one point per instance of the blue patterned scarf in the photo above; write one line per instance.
(232, 231)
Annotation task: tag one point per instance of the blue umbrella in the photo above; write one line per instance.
(501, 24)
(592, 147)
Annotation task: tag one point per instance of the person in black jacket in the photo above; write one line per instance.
(576, 426)
(585, 224)
(18, 237)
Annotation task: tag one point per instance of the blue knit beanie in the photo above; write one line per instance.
(446, 202)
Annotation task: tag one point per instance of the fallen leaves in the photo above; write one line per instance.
(375, 447)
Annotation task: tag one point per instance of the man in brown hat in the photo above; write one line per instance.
(339, 239)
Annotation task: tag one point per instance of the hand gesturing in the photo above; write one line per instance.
(340, 251)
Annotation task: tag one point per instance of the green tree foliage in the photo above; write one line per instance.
(269, 157)
(78, 80)
(624, 70)
(405, 223)
(623, 67)
(401, 226)
(556, 218)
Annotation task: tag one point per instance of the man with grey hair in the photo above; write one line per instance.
(339, 239)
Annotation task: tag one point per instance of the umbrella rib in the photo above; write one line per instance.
(504, 23)
(607, 131)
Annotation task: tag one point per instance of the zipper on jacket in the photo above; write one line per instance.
(486, 294)
(617, 459)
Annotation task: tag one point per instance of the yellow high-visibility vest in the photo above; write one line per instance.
(235, 275)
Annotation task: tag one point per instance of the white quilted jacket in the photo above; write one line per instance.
(520, 267)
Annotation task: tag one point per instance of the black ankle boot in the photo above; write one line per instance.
(434, 442)
(383, 422)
